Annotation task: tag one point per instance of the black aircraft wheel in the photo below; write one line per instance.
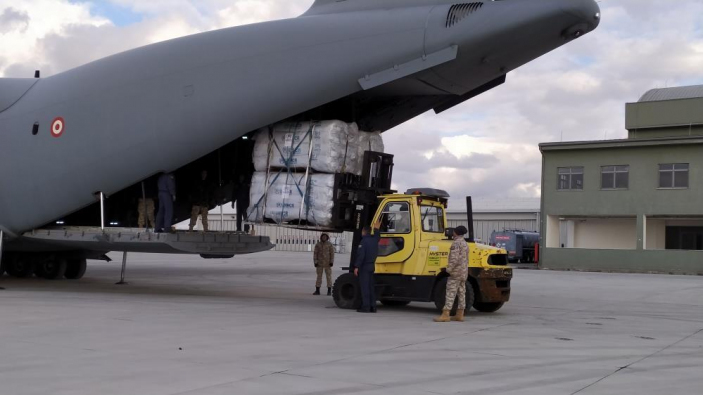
(488, 307)
(51, 269)
(75, 268)
(394, 303)
(440, 296)
(17, 266)
(346, 292)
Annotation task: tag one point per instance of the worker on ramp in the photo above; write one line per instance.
(167, 196)
(201, 199)
(324, 260)
(458, 270)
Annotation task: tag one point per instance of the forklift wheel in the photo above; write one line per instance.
(440, 293)
(346, 292)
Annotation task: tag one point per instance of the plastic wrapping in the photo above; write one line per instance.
(287, 193)
(368, 141)
(334, 147)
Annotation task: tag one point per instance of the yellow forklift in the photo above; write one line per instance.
(414, 248)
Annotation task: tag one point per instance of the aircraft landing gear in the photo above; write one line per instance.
(75, 268)
(17, 265)
(50, 267)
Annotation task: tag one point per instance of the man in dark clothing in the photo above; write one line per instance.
(241, 198)
(201, 201)
(167, 195)
(365, 267)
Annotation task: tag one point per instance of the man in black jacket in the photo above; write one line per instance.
(365, 267)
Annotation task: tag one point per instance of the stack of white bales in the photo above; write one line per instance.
(284, 154)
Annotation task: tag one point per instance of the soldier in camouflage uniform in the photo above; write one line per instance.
(324, 260)
(458, 269)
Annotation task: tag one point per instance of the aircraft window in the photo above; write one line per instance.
(395, 218)
(35, 129)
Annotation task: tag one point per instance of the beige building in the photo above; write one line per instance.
(634, 204)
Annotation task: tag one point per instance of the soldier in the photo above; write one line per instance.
(324, 260)
(365, 266)
(146, 207)
(167, 196)
(201, 202)
(458, 269)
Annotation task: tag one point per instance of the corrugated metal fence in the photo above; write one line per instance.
(299, 240)
(484, 228)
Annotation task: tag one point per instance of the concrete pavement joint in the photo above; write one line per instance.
(637, 361)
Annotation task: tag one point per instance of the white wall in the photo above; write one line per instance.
(656, 234)
(605, 233)
(553, 231)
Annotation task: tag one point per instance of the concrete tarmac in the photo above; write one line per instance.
(250, 325)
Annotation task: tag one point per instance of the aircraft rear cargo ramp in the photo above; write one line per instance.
(138, 240)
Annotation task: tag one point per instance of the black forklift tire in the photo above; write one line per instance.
(488, 307)
(346, 292)
(440, 295)
(15, 266)
(51, 268)
(394, 303)
(76, 268)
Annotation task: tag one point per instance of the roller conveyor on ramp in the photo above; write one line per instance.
(140, 240)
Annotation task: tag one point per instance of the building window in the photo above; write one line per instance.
(674, 175)
(570, 178)
(615, 177)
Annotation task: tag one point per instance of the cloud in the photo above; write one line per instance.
(486, 147)
(12, 19)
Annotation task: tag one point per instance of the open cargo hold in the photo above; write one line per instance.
(321, 146)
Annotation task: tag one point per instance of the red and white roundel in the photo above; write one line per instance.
(57, 127)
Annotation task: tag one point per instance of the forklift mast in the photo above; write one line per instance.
(375, 182)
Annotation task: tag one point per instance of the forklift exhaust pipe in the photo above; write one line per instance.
(470, 217)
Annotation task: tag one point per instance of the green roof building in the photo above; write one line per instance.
(632, 205)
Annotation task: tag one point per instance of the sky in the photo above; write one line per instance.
(486, 147)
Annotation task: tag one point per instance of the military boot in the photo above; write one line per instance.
(329, 291)
(444, 317)
(459, 317)
(317, 291)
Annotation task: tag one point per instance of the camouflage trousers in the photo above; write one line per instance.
(146, 216)
(194, 213)
(455, 288)
(328, 273)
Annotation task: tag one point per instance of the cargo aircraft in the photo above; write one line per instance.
(100, 130)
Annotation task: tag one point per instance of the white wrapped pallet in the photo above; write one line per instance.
(287, 193)
(334, 147)
(369, 141)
